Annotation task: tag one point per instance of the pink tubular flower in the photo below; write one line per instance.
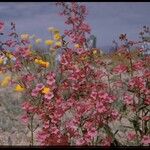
(39, 86)
(92, 132)
(27, 107)
(114, 114)
(146, 118)
(93, 95)
(147, 74)
(80, 141)
(49, 96)
(147, 101)
(1, 26)
(25, 119)
(128, 99)
(120, 69)
(131, 136)
(106, 141)
(34, 93)
(118, 84)
(146, 139)
(137, 82)
(139, 65)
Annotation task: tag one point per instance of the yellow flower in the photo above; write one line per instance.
(38, 41)
(77, 46)
(57, 37)
(19, 88)
(10, 56)
(49, 42)
(45, 64)
(6, 81)
(94, 52)
(59, 44)
(36, 61)
(42, 63)
(1, 61)
(46, 90)
(25, 36)
(55, 31)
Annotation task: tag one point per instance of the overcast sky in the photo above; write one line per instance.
(107, 19)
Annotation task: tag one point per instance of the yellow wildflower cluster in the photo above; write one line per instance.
(42, 63)
(56, 38)
(19, 88)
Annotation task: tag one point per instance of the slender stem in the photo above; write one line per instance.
(31, 129)
(131, 63)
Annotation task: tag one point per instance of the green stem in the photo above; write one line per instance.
(31, 129)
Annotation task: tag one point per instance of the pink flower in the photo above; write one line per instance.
(131, 136)
(39, 86)
(50, 82)
(106, 141)
(92, 132)
(118, 84)
(147, 74)
(146, 139)
(146, 118)
(120, 69)
(147, 101)
(55, 130)
(93, 95)
(34, 93)
(128, 99)
(137, 82)
(1, 26)
(100, 107)
(49, 96)
(114, 114)
(138, 65)
(80, 141)
(41, 136)
(25, 119)
(27, 107)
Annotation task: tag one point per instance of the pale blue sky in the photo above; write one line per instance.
(107, 19)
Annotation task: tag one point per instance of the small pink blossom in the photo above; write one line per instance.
(128, 99)
(39, 86)
(131, 136)
(34, 93)
(80, 141)
(120, 69)
(49, 96)
(139, 65)
(1, 26)
(106, 141)
(25, 119)
(146, 139)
